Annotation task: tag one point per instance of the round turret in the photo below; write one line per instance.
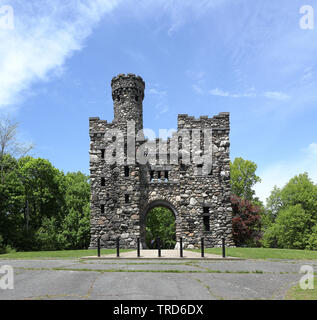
(128, 95)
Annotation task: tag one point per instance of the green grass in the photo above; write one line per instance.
(296, 293)
(63, 254)
(265, 253)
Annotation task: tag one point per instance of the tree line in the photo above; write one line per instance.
(289, 218)
(42, 208)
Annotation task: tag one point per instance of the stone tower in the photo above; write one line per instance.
(128, 95)
(124, 189)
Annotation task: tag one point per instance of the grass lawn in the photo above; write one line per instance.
(63, 254)
(296, 293)
(265, 253)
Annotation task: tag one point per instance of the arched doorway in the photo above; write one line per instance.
(159, 220)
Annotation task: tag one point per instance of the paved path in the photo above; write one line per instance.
(165, 254)
(118, 279)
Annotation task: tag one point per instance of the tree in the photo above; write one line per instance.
(160, 222)
(41, 208)
(301, 190)
(274, 203)
(243, 178)
(9, 143)
(245, 222)
(294, 215)
(75, 228)
(290, 230)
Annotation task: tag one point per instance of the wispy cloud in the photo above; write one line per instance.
(281, 172)
(157, 92)
(221, 93)
(160, 100)
(197, 89)
(46, 33)
(276, 95)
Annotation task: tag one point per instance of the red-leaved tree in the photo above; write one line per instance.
(245, 222)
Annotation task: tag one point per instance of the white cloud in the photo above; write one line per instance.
(197, 89)
(221, 93)
(156, 92)
(46, 33)
(280, 173)
(276, 95)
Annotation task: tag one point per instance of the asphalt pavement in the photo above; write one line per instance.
(118, 279)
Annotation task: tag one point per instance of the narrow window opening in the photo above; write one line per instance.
(159, 175)
(166, 176)
(102, 208)
(102, 153)
(206, 209)
(126, 149)
(127, 198)
(126, 171)
(206, 223)
(103, 182)
(151, 175)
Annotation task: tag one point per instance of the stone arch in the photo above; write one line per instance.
(153, 204)
(160, 203)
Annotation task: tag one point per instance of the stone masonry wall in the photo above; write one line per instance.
(192, 197)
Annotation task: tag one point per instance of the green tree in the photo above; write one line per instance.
(160, 222)
(274, 203)
(243, 178)
(76, 224)
(290, 230)
(293, 212)
(301, 190)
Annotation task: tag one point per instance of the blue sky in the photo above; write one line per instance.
(246, 57)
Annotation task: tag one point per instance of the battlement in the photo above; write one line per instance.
(127, 83)
(220, 121)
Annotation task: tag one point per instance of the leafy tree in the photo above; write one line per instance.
(274, 203)
(76, 224)
(293, 210)
(41, 208)
(312, 240)
(243, 178)
(290, 229)
(160, 222)
(245, 222)
(301, 190)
